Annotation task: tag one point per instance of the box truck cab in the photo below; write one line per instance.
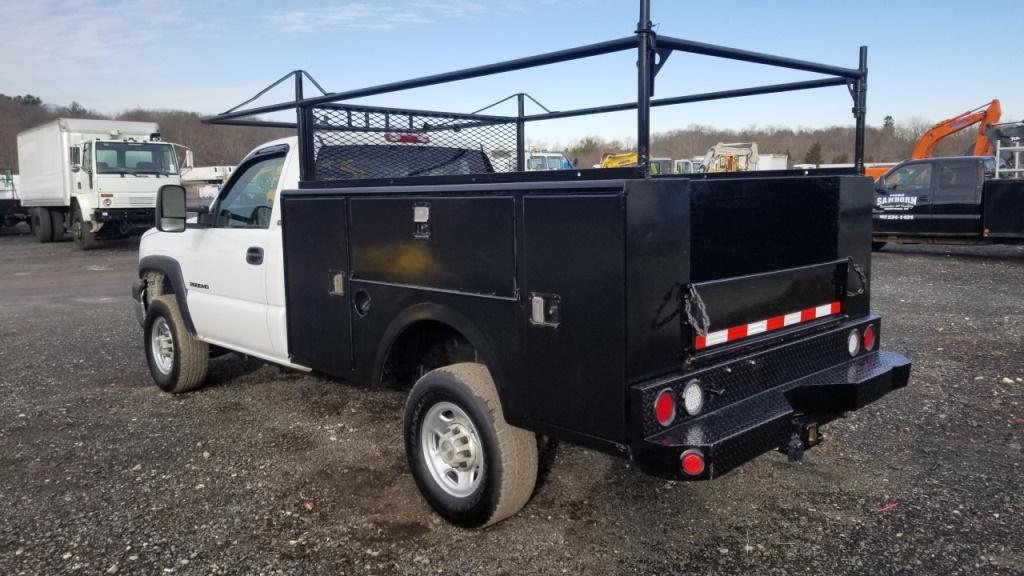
(93, 178)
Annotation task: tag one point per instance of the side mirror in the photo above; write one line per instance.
(170, 208)
(189, 160)
(75, 155)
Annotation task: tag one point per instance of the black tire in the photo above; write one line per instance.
(42, 224)
(507, 455)
(189, 357)
(57, 225)
(876, 246)
(81, 231)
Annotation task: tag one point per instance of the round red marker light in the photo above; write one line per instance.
(692, 462)
(869, 337)
(665, 407)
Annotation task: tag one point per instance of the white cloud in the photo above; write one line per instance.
(71, 38)
(375, 15)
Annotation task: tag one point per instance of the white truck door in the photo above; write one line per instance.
(227, 266)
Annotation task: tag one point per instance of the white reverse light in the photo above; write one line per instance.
(693, 397)
(853, 342)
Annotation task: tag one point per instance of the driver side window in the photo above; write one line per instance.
(912, 177)
(248, 202)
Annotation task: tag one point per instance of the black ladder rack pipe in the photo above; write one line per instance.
(507, 66)
(645, 41)
(704, 97)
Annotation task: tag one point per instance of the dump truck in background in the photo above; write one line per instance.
(96, 179)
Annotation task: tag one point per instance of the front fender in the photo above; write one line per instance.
(171, 269)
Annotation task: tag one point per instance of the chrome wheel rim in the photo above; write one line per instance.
(161, 344)
(452, 450)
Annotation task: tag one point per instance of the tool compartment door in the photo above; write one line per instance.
(574, 264)
(317, 283)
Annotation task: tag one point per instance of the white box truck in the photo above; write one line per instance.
(93, 178)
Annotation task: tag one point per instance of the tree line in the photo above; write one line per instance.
(890, 142)
(226, 145)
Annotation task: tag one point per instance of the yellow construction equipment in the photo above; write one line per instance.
(625, 159)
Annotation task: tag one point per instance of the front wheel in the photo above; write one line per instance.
(81, 231)
(177, 360)
(472, 467)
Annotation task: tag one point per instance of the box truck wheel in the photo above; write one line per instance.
(177, 360)
(57, 225)
(42, 224)
(82, 232)
(472, 467)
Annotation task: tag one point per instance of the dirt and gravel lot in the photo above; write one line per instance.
(268, 471)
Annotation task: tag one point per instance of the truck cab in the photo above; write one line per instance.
(227, 263)
(538, 161)
(931, 199)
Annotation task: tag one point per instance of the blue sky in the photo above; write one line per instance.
(927, 59)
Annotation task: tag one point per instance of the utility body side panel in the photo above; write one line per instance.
(1003, 209)
(569, 291)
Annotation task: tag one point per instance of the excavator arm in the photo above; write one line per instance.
(985, 115)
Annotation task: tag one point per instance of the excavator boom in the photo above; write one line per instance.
(985, 115)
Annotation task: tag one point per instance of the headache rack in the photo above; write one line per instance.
(340, 142)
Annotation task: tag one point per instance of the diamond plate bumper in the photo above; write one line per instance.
(734, 430)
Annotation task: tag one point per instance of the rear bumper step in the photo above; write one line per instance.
(741, 431)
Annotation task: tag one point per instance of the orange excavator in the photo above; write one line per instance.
(985, 116)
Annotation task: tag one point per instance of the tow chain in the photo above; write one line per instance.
(860, 276)
(689, 300)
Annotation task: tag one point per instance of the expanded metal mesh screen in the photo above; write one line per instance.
(354, 142)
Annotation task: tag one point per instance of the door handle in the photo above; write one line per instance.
(254, 255)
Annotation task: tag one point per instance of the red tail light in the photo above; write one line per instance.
(404, 138)
(869, 337)
(665, 407)
(692, 462)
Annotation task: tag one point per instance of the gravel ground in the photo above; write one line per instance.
(268, 471)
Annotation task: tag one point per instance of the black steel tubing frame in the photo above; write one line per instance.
(652, 51)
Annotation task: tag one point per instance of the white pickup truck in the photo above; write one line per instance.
(606, 308)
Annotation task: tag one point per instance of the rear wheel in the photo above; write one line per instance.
(470, 465)
(57, 225)
(82, 232)
(177, 360)
(42, 224)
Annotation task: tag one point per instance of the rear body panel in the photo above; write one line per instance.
(1003, 209)
(607, 261)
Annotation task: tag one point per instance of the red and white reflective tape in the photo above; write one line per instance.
(773, 323)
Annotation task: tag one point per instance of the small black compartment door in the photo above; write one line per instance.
(317, 283)
(575, 334)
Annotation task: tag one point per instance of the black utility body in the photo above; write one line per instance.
(687, 322)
